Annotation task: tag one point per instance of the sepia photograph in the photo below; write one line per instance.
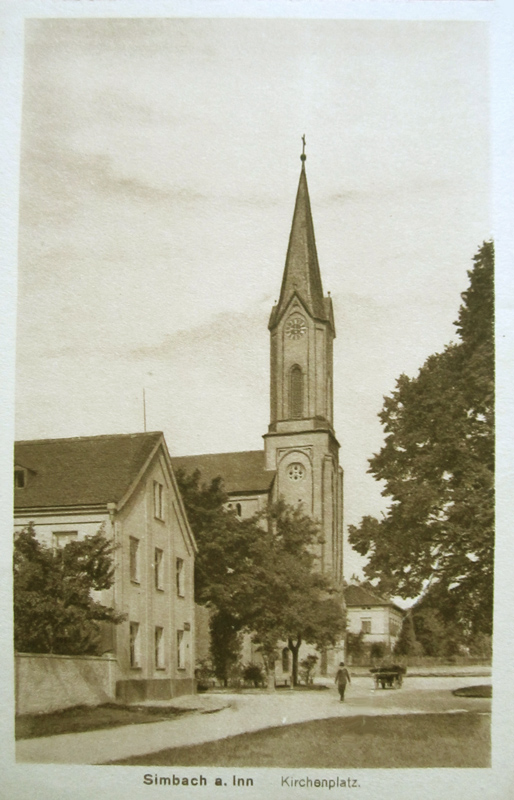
(254, 420)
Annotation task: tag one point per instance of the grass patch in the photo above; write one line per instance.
(484, 690)
(88, 718)
(361, 742)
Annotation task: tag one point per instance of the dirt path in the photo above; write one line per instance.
(251, 712)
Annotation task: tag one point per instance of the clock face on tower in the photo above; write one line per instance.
(295, 327)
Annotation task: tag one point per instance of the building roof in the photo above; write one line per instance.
(301, 274)
(362, 596)
(86, 470)
(241, 472)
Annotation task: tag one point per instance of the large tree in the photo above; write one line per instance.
(298, 603)
(225, 572)
(259, 575)
(54, 611)
(437, 466)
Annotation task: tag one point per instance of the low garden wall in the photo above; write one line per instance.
(419, 661)
(46, 683)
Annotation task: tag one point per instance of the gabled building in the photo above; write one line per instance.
(70, 488)
(379, 619)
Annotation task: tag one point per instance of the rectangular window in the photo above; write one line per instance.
(134, 559)
(181, 583)
(159, 649)
(19, 478)
(393, 627)
(158, 566)
(366, 625)
(61, 538)
(134, 644)
(181, 661)
(158, 500)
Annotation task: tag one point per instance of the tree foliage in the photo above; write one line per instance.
(437, 465)
(301, 604)
(430, 632)
(225, 545)
(436, 637)
(54, 611)
(259, 575)
(407, 645)
(225, 648)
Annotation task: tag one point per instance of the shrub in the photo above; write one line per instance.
(307, 665)
(378, 651)
(252, 673)
(355, 645)
(481, 646)
(204, 675)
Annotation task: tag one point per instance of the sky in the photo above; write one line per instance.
(159, 168)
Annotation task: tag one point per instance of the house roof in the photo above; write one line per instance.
(86, 470)
(241, 472)
(361, 596)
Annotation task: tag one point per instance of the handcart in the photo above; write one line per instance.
(390, 677)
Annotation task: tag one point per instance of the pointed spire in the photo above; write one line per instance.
(301, 273)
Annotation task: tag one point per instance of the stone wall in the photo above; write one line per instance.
(46, 683)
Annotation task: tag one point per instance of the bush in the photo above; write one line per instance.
(234, 676)
(307, 665)
(355, 645)
(378, 651)
(481, 646)
(252, 673)
(204, 675)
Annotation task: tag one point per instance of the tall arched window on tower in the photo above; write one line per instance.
(296, 392)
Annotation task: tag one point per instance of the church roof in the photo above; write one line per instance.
(361, 596)
(241, 472)
(86, 470)
(301, 274)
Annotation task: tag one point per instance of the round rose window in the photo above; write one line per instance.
(296, 472)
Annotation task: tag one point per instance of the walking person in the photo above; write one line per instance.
(342, 678)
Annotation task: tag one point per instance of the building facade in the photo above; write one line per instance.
(124, 484)
(376, 617)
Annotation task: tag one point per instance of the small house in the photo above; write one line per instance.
(70, 488)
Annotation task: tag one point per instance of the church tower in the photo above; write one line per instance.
(301, 444)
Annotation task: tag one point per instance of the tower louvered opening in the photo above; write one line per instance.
(296, 392)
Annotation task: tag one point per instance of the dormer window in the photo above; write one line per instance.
(20, 478)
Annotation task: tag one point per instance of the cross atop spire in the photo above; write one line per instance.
(303, 157)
